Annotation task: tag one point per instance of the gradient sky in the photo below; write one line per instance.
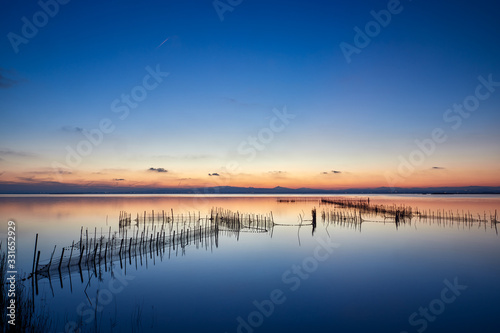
(353, 123)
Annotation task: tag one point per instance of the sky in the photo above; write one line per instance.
(318, 94)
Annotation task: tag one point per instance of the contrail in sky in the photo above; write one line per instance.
(163, 42)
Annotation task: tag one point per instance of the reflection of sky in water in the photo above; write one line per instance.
(372, 283)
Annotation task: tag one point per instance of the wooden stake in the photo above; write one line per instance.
(34, 254)
(60, 261)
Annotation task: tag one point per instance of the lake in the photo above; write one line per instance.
(261, 263)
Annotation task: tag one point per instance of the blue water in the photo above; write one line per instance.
(421, 277)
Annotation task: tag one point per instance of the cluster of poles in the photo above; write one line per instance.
(150, 234)
(154, 232)
(354, 211)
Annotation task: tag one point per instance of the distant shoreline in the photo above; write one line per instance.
(228, 190)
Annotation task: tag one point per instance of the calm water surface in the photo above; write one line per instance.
(371, 277)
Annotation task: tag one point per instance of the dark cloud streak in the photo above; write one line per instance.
(6, 81)
(158, 170)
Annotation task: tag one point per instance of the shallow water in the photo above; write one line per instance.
(341, 277)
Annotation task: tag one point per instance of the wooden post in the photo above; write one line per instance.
(60, 261)
(105, 251)
(37, 260)
(50, 262)
(121, 244)
(95, 252)
(34, 254)
(81, 231)
(71, 253)
(81, 255)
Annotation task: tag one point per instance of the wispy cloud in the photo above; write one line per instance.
(71, 129)
(118, 179)
(235, 101)
(438, 168)
(163, 42)
(333, 171)
(184, 157)
(26, 179)
(158, 169)
(7, 78)
(277, 174)
(16, 153)
(49, 172)
(112, 171)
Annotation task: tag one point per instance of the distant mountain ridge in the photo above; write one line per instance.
(59, 188)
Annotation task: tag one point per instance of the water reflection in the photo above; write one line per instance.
(152, 234)
(108, 241)
(148, 235)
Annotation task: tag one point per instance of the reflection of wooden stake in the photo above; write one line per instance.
(105, 257)
(60, 279)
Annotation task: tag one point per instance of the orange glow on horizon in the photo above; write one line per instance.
(334, 181)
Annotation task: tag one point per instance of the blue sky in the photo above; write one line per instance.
(226, 77)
